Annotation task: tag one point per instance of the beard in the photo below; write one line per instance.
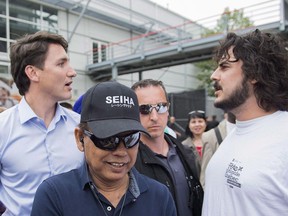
(237, 98)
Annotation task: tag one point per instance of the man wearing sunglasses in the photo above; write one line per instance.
(107, 184)
(160, 155)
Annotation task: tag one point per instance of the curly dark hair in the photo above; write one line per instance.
(265, 59)
(31, 50)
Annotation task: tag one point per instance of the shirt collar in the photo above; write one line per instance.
(133, 185)
(60, 113)
(134, 188)
(26, 113)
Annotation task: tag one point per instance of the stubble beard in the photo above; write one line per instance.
(237, 98)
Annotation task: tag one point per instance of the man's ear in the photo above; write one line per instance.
(32, 73)
(79, 139)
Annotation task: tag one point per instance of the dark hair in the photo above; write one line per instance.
(150, 82)
(83, 126)
(191, 115)
(265, 59)
(31, 50)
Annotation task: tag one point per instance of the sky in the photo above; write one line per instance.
(197, 9)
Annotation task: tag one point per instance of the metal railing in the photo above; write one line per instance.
(258, 14)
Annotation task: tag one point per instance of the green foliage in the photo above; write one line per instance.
(206, 68)
(229, 21)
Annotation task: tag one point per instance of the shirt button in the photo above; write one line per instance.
(109, 208)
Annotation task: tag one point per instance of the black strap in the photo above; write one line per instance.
(218, 135)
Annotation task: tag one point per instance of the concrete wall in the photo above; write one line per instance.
(177, 78)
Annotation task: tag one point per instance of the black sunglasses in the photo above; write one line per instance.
(112, 143)
(145, 109)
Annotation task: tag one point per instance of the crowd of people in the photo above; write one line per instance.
(112, 153)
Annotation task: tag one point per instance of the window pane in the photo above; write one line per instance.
(18, 29)
(25, 10)
(50, 19)
(99, 52)
(3, 7)
(3, 28)
(3, 46)
(95, 53)
(3, 69)
(103, 52)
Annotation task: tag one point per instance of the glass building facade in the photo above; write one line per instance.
(19, 17)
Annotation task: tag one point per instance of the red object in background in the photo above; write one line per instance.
(199, 149)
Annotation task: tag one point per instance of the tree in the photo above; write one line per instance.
(229, 21)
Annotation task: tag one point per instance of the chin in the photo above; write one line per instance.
(154, 134)
(217, 100)
(218, 103)
(67, 96)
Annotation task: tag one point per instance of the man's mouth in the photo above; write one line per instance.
(217, 86)
(68, 84)
(117, 164)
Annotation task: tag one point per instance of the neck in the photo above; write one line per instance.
(42, 107)
(197, 140)
(157, 144)
(250, 110)
(113, 191)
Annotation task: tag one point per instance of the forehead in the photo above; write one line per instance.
(150, 95)
(229, 57)
(197, 119)
(56, 52)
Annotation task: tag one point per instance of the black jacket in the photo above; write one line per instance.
(148, 164)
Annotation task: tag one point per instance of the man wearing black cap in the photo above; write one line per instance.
(107, 184)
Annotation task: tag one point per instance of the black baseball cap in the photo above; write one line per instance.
(110, 108)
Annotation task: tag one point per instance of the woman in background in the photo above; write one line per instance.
(195, 128)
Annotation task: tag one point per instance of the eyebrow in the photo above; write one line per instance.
(222, 63)
(227, 61)
(65, 59)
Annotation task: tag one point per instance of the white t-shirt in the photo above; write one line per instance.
(248, 174)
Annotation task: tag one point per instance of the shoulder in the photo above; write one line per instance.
(182, 146)
(8, 112)
(61, 182)
(63, 178)
(223, 127)
(10, 126)
(144, 150)
(187, 141)
(151, 192)
(150, 184)
(186, 152)
(8, 116)
(281, 115)
(55, 192)
(208, 134)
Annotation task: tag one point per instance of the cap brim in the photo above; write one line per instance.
(107, 128)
